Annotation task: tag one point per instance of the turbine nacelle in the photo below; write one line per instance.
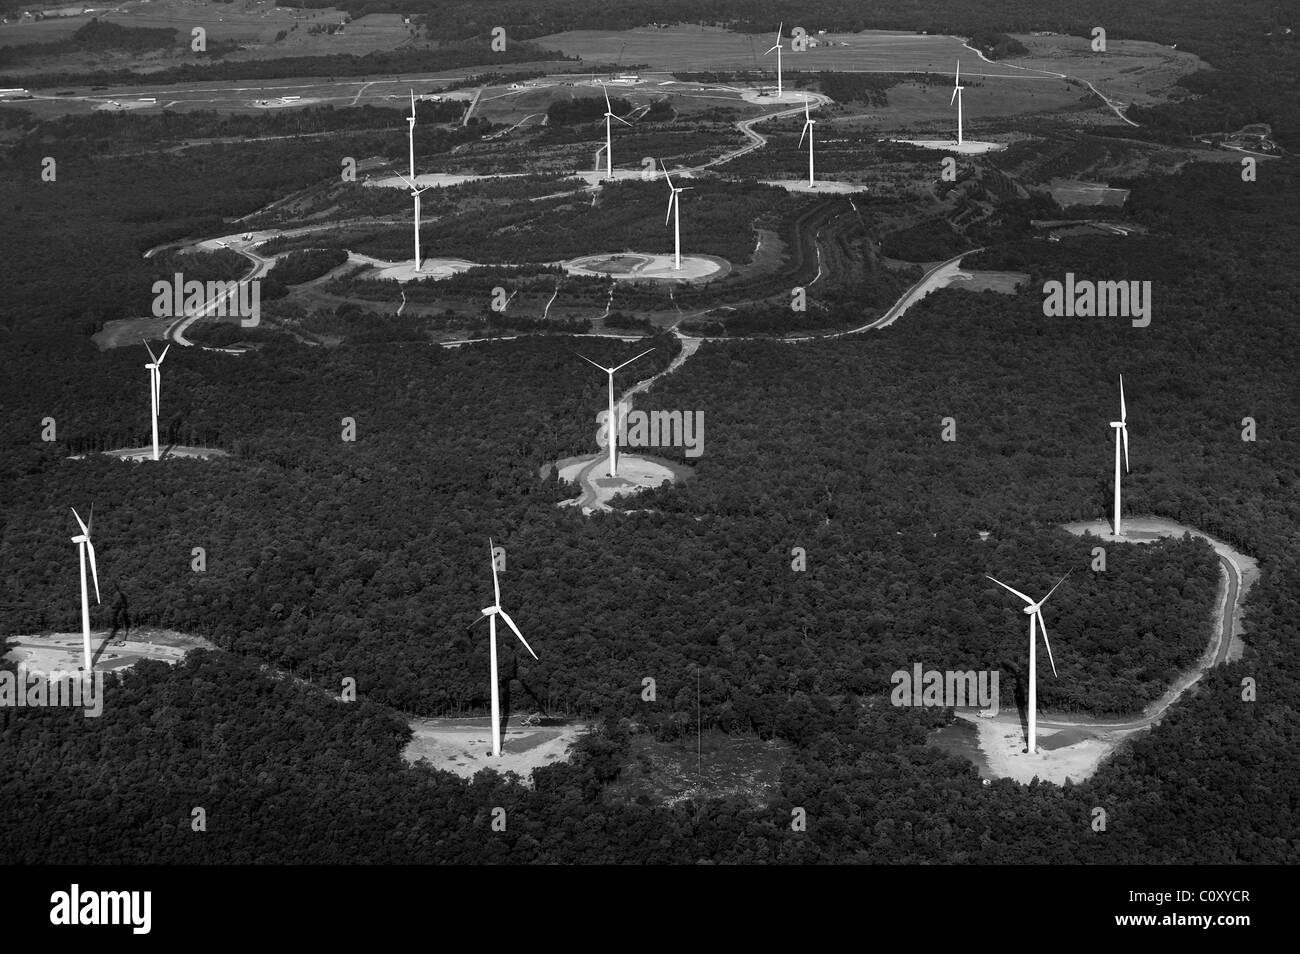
(157, 359)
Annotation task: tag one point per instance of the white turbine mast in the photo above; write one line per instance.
(1121, 432)
(86, 548)
(808, 123)
(611, 421)
(609, 142)
(410, 136)
(956, 98)
(492, 612)
(415, 196)
(777, 47)
(155, 389)
(1035, 613)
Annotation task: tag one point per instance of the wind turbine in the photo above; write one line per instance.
(956, 98)
(777, 47)
(415, 195)
(611, 422)
(1035, 613)
(808, 123)
(609, 148)
(492, 612)
(674, 212)
(84, 547)
(1121, 427)
(155, 389)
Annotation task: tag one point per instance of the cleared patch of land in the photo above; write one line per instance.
(821, 186)
(689, 48)
(642, 266)
(62, 652)
(1130, 71)
(742, 766)
(1066, 192)
(591, 473)
(464, 746)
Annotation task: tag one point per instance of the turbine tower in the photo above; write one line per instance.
(410, 135)
(609, 147)
(85, 547)
(492, 612)
(777, 47)
(415, 195)
(1035, 613)
(1121, 428)
(611, 422)
(956, 98)
(155, 389)
(674, 213)
(808, 123)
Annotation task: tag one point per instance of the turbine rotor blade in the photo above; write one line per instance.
(955, 90)
(163, 356)
(1053, 589)
(608, 108)
(1123, 411)
(150, 350)
(622, 120)
(1043, 627)
(630, 360)
(671, 199)
(666, 175)
(81, 523)
(1124, 431)
(1017, 592)
(511, 623)
(592, 363)
(492, 558)
(957, 79)
(90, 550)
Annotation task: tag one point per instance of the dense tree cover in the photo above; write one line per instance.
(997, 46)
(869, 88)
(298, 267)
(407, 59)
(114, 131)
(584, 109)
